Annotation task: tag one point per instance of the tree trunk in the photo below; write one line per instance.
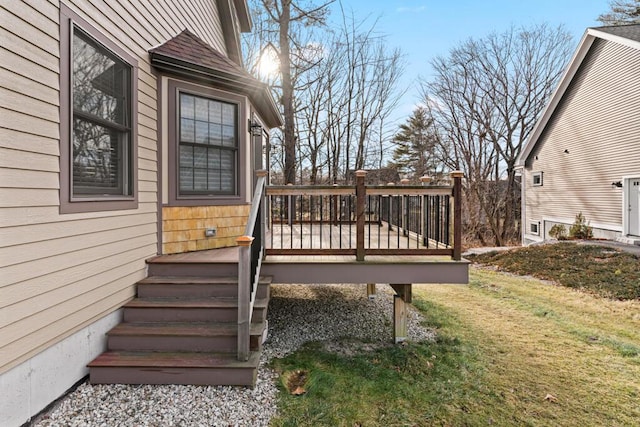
(287, 96)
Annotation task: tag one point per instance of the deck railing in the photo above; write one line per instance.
(251, 246)
(365, 220)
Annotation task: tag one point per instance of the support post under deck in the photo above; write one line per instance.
(400, 301)
(371, 290)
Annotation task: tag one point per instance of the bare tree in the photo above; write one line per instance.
(486, 97)
(284, 16)
(337, 89)
(362, 92)
(622, 12)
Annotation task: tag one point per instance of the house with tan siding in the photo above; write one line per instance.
(584, 153)
(128, 129)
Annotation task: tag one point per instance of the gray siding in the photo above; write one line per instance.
(63, 272)
(598, 123)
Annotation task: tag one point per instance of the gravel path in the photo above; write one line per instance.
(339, 315)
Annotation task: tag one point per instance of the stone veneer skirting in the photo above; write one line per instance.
(183, 228)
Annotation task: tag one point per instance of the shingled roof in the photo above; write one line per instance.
(188, 47)
(631, 32)
(188, 55)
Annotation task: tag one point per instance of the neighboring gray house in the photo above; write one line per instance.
(584, 153)
(96, 100)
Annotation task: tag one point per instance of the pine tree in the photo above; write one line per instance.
(416, 141)
(622, 12)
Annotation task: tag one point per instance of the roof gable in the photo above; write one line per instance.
(188, 55)
(628, 35)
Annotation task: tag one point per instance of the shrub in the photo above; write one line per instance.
(558, 231)
(580, 228)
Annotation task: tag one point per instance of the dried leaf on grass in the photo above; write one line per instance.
(551, 398)
(296, 382)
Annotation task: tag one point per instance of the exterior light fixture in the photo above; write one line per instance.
(255, 128)
(616, 184)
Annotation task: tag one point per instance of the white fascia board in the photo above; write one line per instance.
(634, 44)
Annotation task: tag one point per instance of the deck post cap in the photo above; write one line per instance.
(457, 174)
(244, 240)
(425, 178)
(361, 172)
(391, 183)
(262, 172)
(404, 181)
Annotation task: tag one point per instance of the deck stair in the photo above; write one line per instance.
(182, 330)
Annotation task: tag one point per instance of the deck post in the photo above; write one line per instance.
(400, 301)
(360, 207)
(457, 214)
(371, 290)
(399, 320)
(244, 296)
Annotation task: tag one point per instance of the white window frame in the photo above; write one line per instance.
(535, 224)
(536, 176)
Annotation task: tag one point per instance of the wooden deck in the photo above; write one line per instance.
(320, 264)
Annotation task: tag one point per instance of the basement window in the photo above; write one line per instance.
(534, 228)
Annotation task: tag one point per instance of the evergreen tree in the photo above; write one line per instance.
(416, 142)
(622, 12)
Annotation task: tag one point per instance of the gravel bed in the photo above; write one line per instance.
(341, 316)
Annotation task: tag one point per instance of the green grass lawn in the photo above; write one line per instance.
(509, 351)
(598, 269)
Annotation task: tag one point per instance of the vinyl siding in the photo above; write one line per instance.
(63, 272)
(598, 123)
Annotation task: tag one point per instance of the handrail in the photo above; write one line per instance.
(251, 246)
(320, 220)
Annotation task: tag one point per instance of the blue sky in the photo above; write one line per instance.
(424, 29)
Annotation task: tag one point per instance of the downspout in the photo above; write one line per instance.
(520, 171)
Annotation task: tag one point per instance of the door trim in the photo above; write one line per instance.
(626, 186)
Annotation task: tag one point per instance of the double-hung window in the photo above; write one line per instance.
(208, 146)
(97, 120)
(101, 120)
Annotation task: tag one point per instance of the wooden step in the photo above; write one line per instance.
(167, 265)
(195, 286)
(202, 309)
(116, 367)
(181, 336)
